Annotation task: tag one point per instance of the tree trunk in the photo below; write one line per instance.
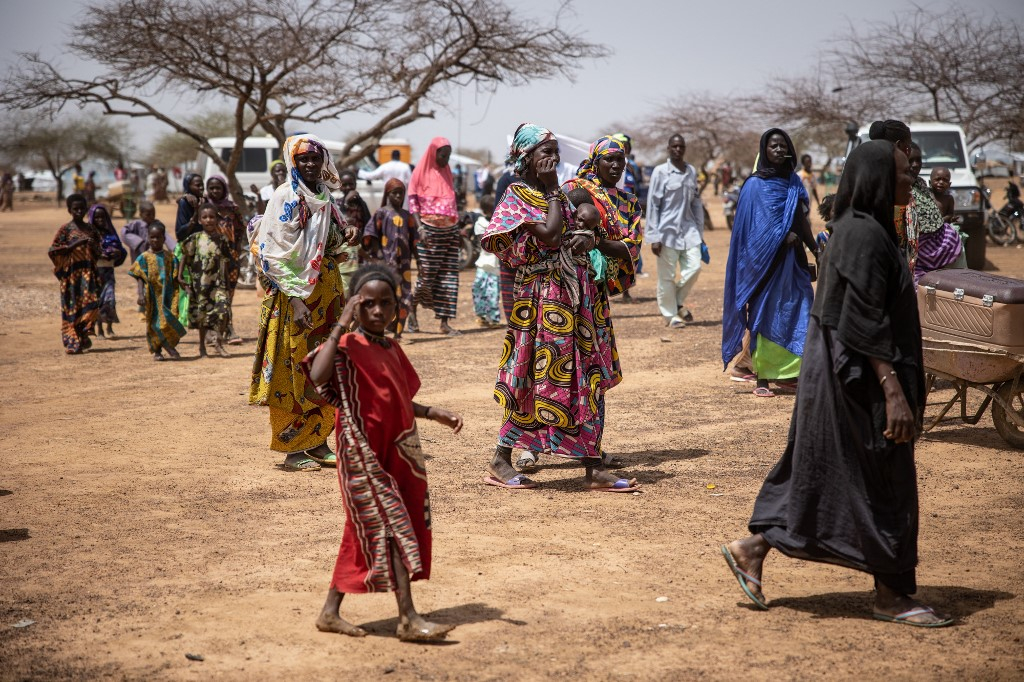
(60, 189)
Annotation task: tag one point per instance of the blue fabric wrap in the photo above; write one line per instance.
(779, 312)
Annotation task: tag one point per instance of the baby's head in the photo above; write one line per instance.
(588, 216)
(940, 180)
(487, 205)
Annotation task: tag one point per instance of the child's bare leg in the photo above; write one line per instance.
(110, 330)
(202, 342)
(329, 619)
(412, 627)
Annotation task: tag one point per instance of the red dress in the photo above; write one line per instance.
(380, 464)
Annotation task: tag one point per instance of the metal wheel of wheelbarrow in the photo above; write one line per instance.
(1010, 432)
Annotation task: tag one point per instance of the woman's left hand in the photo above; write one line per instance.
(301, 314)
(449, 419)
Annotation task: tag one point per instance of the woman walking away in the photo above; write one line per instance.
(74, 252)
(390, 236)
(432, 201)
(296, 243)
(157, 273)
(767, 280)
(845, 490)
(381, 467)
(206, 259)
(555, 364)
(112, 255)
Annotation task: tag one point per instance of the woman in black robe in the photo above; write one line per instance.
(845, 490)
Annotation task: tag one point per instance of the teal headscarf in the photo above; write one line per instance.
(528, 137)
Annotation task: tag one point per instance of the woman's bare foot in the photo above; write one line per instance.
(600, 477)
(332, 622)
(110, 331)
(220, 349)
(173, 354)
(420, 630)
(448, 330)
(890, 604)
(202, 350)
(158, 357)
(749, 554)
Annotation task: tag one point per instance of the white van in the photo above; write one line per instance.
(944, 144)
(260, 152)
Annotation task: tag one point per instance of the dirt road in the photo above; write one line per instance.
(142, 519)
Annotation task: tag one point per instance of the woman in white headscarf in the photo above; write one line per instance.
(298, 243)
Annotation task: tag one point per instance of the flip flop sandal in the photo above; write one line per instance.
(762, 392)
(304, 464)
(330, 460)
(454, 332)
(904, 618)
(517, 482)
(744, 578)
(620, 486)
(676, 324)
(744, 378)
(789, 386)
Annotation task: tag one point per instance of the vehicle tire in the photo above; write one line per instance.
(1000, 230)
(468, 253)
(1010, 432)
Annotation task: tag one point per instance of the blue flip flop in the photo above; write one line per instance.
(517, 482)
(620, 486)
(743, 578)
(904, 618)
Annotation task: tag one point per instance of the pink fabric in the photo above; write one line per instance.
(432, 189)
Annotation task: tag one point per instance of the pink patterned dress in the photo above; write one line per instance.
(556, 363)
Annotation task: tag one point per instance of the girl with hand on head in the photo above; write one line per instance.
(381, 467)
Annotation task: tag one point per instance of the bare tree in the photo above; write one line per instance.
(953, 65)
(174, 148)
(279, 62)
(715, 126)
(60, 144)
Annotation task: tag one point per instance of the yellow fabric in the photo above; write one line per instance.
(299, 418)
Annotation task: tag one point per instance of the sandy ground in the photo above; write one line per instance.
(142, 519)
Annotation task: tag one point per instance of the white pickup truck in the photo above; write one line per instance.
(944, 144)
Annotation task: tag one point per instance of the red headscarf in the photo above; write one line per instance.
(432, 189)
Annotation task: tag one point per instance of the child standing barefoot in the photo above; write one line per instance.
(206, 257)
(367, 377)
(156, 270)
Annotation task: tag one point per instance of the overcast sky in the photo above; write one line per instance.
(658, 49)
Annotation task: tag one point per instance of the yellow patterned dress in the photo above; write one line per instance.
(157, 274)
(300, 419)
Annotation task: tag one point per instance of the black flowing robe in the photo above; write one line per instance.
(842, 493)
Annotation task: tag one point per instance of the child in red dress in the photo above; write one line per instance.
(367, 377)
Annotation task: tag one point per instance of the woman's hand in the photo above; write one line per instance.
(300, 313)
(348, 313)
(547, 173)
(183, 284)
(792, 238)
(899, 420)
(581, 244)
(449, 419)
(656, 248)
(351, 234)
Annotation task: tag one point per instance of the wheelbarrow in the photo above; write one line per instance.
(997, 374)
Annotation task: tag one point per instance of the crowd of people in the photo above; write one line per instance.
(339, 300)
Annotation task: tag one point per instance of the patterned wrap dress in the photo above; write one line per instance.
(207, 260)
(391, 236)
(556, 362)
(381, 467)
(74, 252)
(157, 275)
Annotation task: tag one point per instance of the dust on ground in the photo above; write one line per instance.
(142, 519)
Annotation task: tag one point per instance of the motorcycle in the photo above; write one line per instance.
(729, 199)
(1006, 225)
(469, 248)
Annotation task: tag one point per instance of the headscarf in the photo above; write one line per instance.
(227, 202)
(393, 183)
(528, 136)
(432, 188)
(109, 243)
(290, 237)
(275, 163)
(763, 168)
(868, 185)
(188, 179)
(602, 147)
